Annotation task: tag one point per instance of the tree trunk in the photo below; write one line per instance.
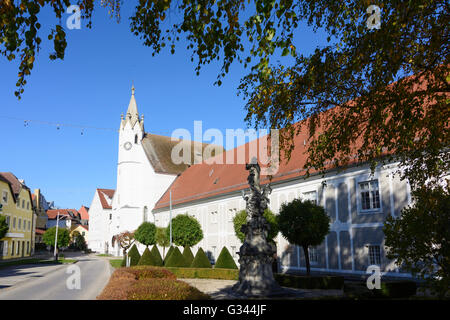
(308, 268)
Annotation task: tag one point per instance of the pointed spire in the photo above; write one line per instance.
(132, 112)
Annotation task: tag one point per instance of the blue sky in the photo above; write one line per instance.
(92, 87)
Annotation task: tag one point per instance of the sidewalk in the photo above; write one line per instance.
(221, 290)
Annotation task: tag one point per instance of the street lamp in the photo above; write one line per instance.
(170, 221)
(56, 237)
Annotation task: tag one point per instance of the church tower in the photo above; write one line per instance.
(130, 159)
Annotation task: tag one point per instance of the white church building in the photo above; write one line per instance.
(151, 187)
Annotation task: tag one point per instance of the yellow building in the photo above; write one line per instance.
(17, 207)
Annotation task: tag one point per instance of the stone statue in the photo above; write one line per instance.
(256, 253)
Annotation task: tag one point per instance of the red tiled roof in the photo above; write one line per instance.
(84, 213)
(103, 193)
(63, 213)
(40, 231)
(16, 185)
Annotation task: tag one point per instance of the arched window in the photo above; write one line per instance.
(135, 139)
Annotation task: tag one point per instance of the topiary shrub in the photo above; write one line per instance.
(176, 259)
(124, 261)
(188, 256)
(201, 260)
(225, 260)
(134, 256)
(156, 256)
(169, 252)
(146, 259)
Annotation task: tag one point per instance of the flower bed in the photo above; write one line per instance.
(148, 283)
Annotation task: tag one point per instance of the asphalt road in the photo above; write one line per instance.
(83, 280)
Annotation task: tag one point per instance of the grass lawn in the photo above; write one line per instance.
(36, 261)
(115, 263)
(104, 255)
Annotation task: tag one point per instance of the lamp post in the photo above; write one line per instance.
(170, 212)
(56, 238)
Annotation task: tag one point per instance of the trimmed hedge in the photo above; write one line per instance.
(146, 259)
(169, 252)
(201, 260)
(134, 255)
(176, 259)
(156, 256)
(188, 256)
(311, 282)
(205, 273)
(225, 260)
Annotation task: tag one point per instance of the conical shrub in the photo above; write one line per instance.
(169, 252)
(176, 259)
(188, 256)
(225, 260)
(156, 256)
(134, 256)
(146, 259)
(201, 260)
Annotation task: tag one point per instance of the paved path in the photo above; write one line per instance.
(221, 289)
(49, 282)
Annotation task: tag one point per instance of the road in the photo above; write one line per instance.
(56, 282)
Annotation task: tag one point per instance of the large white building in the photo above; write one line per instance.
(149, 183)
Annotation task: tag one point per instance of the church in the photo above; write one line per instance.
(151, 187)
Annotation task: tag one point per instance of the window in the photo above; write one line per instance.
(214, 216)
(18, 202)
(231, 214)
(12, 248)
(29, 225)
(233, 251)
(28, 247)
(370, 195)
(19, 226)
(8, 220)
(135, 139)
(28, 205)
(5, 197)
(374, 255)
(18, 248)
(14, 223)
(110, 216)
(311, 196)
(313, 255)
(23, 204)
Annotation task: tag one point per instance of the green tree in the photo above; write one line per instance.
(80, 242)
(303, 223)
(162, 239)
(241, 218)
(186, 231)
(363, 70)
(419, 239)
(63, 237)
(3, 226)
(146, 234)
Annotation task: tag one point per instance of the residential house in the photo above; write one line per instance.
(17, 206)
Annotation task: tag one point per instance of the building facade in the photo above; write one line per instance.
(17, 207)
(151, 188)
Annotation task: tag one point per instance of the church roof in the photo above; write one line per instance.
(106, 196)
(159, 152)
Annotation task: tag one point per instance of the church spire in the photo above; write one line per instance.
(132, 112)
